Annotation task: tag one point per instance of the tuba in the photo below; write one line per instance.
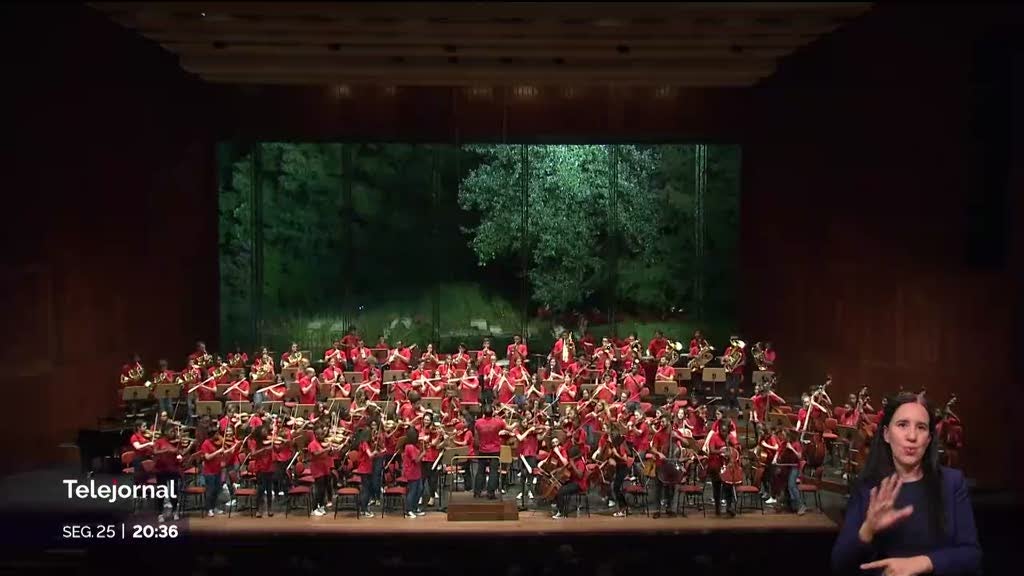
(735, 356)
(672, 351)
(758, 353)
(702, 358)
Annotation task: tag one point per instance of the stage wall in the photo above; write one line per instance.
(110, 232)
(878, 217)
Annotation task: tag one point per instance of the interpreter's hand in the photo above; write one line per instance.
(901, 566)
(882, 513)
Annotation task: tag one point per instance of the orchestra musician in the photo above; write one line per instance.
(239, 391)
(719, 441)
(163, 375)
(319, 468)
(167, 466)
(661, 444)
(460, 360)
(200, 357)
(432, 437)
(214, 451)
(429, 359)
(361, 356)
(292, 358)
(260, 450)
(516, 350)
(578, 483)
(336, 353)
(618, 452)
(366, 453)
(351, 339)
(734, 378)
(791, 457)
(761, 402)
(768, 445)
(487, 443)
(308, 387)
(658, 345)
(412, 470)
(399, 357)
(469, 387)
(237, 359)
(527, 433)
(564, 350)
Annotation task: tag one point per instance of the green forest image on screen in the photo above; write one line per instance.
(448, 244)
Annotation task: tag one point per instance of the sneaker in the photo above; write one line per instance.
(319, 512)
(619, 514)
(801, 511)
(280, 494)
(329, 504)
(177, 517)
(410, 514)
(557, 516)
(259, 513)
(529, 495)
(770, 501)
(420, 513)
(160, 518)
(219, 511)
(430, 503)
(270, 513)
(231, 504)
(367, 514)
(210, 514)
(611, 503)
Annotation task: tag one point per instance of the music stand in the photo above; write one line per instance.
(713, 375)
(759, 377)
(779, 420)
(239, 405)
(432, 404)
(288, 374)
(132, 395)
(209, 408)
(666, 388)
(167, 392)
(293, 391)
(273, 406)
(588, 387)
(392, 375)
(354, 377)
(336, 404)
(684, 374)
(236, 372)
(222, 388)
(303, 411)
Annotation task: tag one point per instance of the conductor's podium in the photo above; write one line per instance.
(463, 507)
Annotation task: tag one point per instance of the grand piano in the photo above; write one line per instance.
(103, 442)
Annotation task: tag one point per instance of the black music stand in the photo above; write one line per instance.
(240, 406)
(132, 395)
(336, 404)
(273, 407)
(168, 392)
(759, 377)
(303, 411)
(713, 375)
(354, 377)
(667, 388)
(211, 408)
(683, 374)
(432, 404)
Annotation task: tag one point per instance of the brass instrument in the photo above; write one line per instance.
(134, 374)
(294, 358)
(672, 352)
(703, 357)
(735, 356)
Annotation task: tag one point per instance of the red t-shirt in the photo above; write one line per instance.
(665, 373)
(760, 407)
(166, 463)
(309, 396)
(530, 445)
(470, 390)
(657, 346)
(519, 350)
(213, 465)
(241, 393)
(207, 392)
(715, 461)
(319, 464)
(365, 465)
(581, 479)
(262, 462)
(284, 452)
(138, 438)
(467, 437)
(432, 452)
(399, 391)
(487, 434)
(410, 467)
(401, 361)
(407, 411)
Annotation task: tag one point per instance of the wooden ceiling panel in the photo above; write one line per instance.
(705, 44)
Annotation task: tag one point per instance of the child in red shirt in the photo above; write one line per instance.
(412, 456)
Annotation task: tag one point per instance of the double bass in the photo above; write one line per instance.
(732, 468)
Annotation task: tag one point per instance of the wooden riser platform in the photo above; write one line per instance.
(463, 507)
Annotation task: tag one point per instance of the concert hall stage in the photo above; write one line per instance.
(530, 523)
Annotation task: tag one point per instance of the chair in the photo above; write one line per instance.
(193, 492)
(582, 501)
(304, 493)
(752, 490)
(250, 495)
(806, 487)
(638, 492)
(391, 495)
(345, 497)
(689, 493)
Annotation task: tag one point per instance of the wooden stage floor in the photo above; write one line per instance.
(529, 524)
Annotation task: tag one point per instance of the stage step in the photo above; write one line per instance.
(462, 507)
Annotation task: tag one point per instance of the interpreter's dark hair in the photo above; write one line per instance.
(880, 462)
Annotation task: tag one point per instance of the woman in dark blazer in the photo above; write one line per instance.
(907, 515)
